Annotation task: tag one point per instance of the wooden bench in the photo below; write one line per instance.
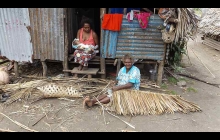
(95, 60)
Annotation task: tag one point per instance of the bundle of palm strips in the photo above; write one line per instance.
(135, 102)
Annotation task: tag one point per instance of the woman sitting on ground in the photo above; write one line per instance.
(128, 78)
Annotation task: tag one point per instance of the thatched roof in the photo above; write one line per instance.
(210, 22)
(188, 24)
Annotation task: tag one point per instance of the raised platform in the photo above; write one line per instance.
(89, 71)
(92, 71)
(95, 60)
(211, 43)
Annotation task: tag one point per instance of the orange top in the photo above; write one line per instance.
(89, 41)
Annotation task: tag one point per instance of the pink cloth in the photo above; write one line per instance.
(142, 17)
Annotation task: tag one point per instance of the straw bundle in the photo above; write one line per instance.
(134, 102)
(187, 25)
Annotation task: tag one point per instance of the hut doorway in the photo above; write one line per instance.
(93, 14)
(74, 17)
(77, 14)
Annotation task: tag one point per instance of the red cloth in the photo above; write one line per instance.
(112, 22)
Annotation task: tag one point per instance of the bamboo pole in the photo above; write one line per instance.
(66, 42)
(16, 69)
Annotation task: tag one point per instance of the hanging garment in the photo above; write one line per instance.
(143, 17)
(116, 10)
(112, 22)
(131, 15)
(129, 9)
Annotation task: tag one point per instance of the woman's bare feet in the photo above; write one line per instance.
(71, 57)
(11, 65)
(87, 102)
(80, 67)
(85, 68)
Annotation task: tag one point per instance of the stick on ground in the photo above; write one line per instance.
(4, 130)
(19, 124)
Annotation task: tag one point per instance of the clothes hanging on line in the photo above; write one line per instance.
(112, 22)
(129, 9)
(116, 10)
(142, 17)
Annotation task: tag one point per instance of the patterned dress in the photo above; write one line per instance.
(133, 76)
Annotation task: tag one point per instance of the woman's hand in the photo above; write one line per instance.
(112, 84)
(114, 88)
(79, 48)
(119, 87)
(91, 51)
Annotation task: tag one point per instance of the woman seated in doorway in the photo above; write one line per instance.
(88, 37)
(128, 78)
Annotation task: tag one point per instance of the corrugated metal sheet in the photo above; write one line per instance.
(15, 39)
(141, 43)
(109, 42)
(47, 32)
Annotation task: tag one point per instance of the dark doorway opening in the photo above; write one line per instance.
(77, 14)
(93, 14)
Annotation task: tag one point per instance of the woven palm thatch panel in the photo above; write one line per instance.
(134, 102)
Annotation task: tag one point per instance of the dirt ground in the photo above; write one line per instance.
(203, 63)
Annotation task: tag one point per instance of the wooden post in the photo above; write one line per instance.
(89, 76)
(44, 68)
(66, 43)
(102, 60)
(160, 67)
(118, 66)
(16, 69)
(102, 67)
(160, 73)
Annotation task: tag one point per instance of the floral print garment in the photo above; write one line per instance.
(82, 58)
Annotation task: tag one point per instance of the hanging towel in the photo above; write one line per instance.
(112, 22)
